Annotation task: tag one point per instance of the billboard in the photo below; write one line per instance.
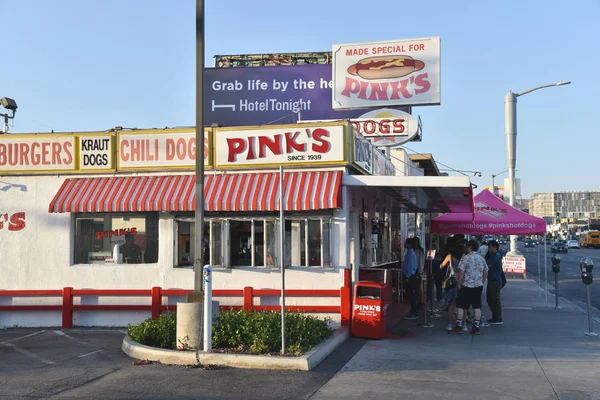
(272, 59)
(270, 95)
(380, 74)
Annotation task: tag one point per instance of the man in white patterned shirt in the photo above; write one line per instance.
(472, 274)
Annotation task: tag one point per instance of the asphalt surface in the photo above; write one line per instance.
(569, 279)
(89, 364)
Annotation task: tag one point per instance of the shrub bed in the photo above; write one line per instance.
(242, 331)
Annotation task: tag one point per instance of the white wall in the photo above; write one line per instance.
(39, 257)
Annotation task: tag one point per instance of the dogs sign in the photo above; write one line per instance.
(387, 127)
(394, 73)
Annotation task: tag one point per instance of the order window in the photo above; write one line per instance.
(124, 238)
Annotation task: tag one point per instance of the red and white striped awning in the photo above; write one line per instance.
(222, 192)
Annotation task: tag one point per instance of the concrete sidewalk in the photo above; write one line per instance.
(538, 353)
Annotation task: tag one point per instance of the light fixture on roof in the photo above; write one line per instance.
(10, 105)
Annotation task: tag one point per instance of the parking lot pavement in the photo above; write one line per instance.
(37, 363)
(89, 364)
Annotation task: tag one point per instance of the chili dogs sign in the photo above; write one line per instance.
(393, 73)
(147, 150)
(301, 144)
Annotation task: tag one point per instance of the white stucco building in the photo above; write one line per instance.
(69, 203)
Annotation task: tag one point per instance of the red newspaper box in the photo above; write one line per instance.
(369, 310)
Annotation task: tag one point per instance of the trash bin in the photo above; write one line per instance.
(369, 311)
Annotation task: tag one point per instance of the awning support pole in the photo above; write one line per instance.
(546, 271)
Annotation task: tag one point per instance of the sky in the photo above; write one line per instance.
(75, 65)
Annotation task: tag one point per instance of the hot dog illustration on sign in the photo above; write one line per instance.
(386, 67)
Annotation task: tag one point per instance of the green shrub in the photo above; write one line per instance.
(243, 331)
(260, 332)
(161, 332)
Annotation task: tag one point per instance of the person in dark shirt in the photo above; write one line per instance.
(131, 252)
(494, 262)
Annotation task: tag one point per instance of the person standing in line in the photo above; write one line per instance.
(409, 270)
(472, 274)
(483, 249)
(494, 286)
(450, 291)
(420, 253)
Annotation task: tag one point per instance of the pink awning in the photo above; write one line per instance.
(492, 217)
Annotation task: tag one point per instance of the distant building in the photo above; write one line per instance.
(575, 205)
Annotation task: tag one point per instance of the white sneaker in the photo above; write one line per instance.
(465, 328)
(449, 327)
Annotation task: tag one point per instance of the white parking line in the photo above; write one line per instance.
(61, 333)
(89, 354)
(23, 337)
(28, 353)
(518, 308)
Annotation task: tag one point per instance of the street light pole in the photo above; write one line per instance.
(199, 216)
(510, 122)
(495, 175)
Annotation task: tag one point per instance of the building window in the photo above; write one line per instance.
(240, 243)
(185, 233)
(122, 238)
(254, 242)
(308, 242)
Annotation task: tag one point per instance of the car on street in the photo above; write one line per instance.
(559, 247)
(502, 241)
(529, 243)
(573, 244)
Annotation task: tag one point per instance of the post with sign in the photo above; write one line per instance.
(514, 265)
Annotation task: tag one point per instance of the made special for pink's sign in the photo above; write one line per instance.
(392, 73)
(300, 144)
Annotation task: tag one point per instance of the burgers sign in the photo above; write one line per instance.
(396, 73)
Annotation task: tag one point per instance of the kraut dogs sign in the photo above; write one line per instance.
(394, 73)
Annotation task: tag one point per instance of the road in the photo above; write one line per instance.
(569, 280)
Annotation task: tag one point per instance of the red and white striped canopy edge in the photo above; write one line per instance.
(227, 192)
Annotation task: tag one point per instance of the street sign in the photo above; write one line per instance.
(271, 95)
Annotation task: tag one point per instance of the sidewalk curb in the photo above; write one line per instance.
(575, 306)
(305, 362)
(562, 299)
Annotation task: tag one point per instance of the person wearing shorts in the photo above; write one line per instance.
(472, 274)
